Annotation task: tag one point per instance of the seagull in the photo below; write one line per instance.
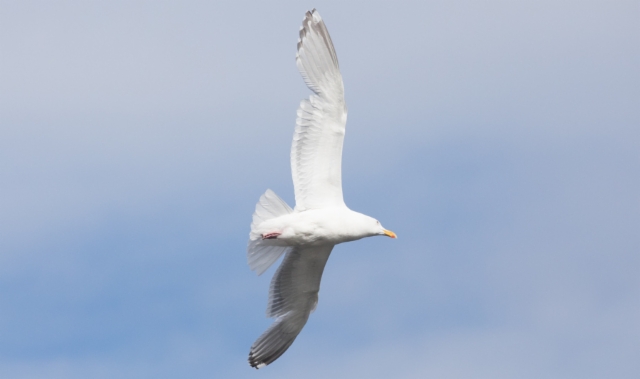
(320, 220)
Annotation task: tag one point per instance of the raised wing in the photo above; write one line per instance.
(316, 153)
(292, 297)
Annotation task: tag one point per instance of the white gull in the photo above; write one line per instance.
(307, 234)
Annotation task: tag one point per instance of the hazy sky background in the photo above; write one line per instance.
(500, 140)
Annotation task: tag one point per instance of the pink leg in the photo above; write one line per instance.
(270, 236)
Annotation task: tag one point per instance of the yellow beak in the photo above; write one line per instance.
(390, 233)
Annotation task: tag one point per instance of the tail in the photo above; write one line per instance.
(260, 253)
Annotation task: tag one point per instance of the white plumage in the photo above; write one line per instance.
(316, 152)
(307, 234)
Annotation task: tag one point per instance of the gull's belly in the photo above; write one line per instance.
(317, 227)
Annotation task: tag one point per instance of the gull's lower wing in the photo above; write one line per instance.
(316, 153)
(292, 297)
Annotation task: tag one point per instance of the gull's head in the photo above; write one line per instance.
(354, 225)
(385, 232)
(375, 228)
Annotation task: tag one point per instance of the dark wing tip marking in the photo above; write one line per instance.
(253, 362)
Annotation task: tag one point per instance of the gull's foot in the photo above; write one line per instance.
(270, 236)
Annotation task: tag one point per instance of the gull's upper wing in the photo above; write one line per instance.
(316, 153)
(292, 297)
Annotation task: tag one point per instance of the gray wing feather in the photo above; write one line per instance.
(292, 297)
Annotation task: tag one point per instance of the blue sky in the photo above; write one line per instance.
(499, 140)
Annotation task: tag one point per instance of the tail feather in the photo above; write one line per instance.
(261, 254)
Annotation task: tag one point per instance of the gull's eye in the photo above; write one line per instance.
(378, 222)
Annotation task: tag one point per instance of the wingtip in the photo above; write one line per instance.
(312, 15)
(316, 15)
(253, 363)
(310, 19)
